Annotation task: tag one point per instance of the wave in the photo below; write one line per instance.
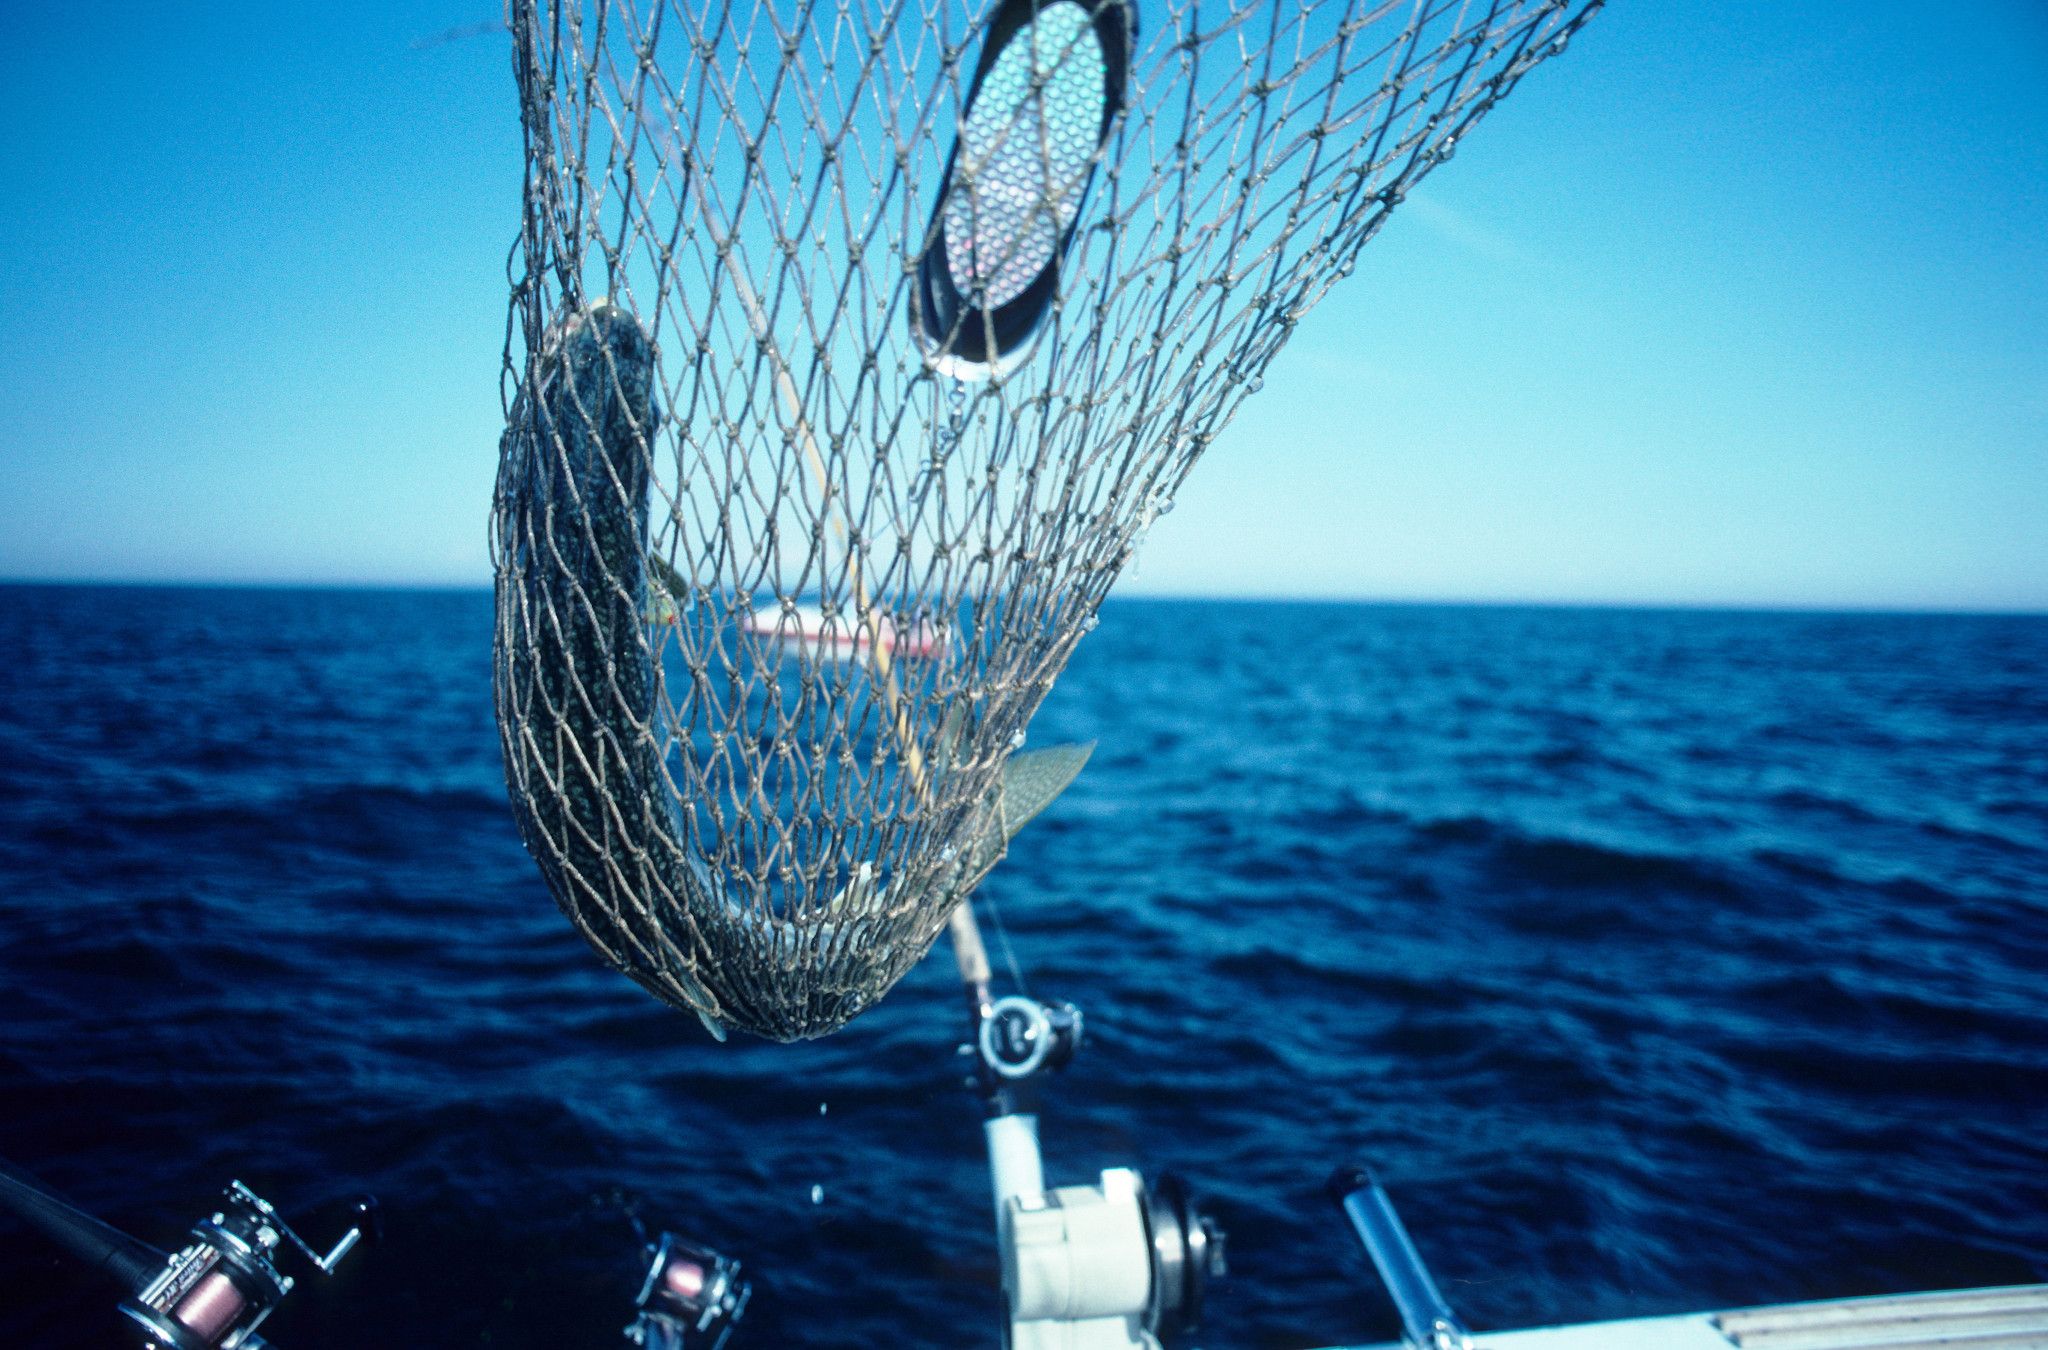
(1530, 908)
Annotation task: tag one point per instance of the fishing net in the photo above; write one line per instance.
(854, 347)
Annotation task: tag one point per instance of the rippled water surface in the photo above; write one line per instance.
(1659, 961)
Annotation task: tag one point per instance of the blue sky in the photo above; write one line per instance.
(1743, 303)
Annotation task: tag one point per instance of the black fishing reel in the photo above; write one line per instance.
(691, 1299)
(1018, 1037)
(214, 1293)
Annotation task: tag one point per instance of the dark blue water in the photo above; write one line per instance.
(1660, 960)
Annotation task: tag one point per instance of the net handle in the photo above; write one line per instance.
(970, 954)
(878, 651)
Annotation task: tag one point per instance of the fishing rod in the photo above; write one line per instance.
(210, 1294)
(1427, 1322)
(1108, 1266)
(100, 1246)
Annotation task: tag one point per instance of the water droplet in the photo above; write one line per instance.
(817, 1195)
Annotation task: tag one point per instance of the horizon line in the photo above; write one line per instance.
(1733, 606)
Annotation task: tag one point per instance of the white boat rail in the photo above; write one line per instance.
(2010, 1318)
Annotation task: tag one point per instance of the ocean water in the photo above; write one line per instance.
(1658, 960)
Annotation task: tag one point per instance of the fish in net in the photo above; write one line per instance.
(854, 347)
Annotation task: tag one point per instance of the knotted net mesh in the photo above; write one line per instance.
(854, 347)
